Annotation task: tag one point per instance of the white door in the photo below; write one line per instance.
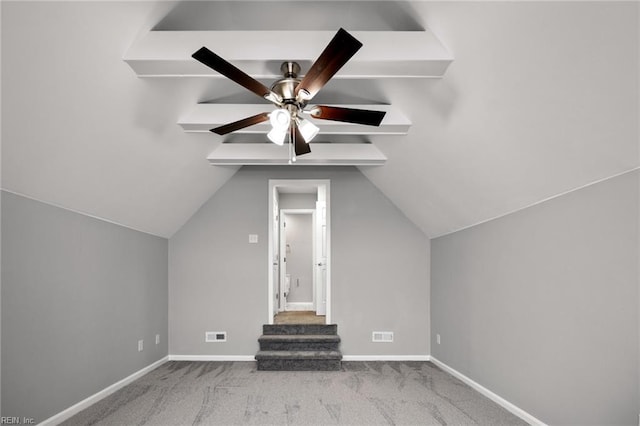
(275, 259)
(320, 262)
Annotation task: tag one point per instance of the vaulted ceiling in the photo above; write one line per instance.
(540, 99)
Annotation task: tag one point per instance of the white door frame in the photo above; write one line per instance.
(283, 252)
(323, 185)
(274, 250)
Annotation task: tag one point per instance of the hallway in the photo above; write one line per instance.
(298, 317)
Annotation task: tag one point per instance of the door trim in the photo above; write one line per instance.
(325, 184)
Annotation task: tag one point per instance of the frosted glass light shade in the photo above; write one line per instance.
(280, 119)
(277, 136)
(308, 130)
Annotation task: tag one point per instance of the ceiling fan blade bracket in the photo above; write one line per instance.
(303, 96)
(274, 98)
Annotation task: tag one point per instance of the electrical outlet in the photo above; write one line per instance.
(437, 338)
(140, 345)
(253, 238)
(157, 339)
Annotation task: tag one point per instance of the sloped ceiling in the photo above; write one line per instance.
(541, 99)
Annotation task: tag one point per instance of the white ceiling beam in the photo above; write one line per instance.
(259, 53)
(322, 154)
(204, 117)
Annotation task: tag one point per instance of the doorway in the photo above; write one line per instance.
(299, 284)
(297, 288)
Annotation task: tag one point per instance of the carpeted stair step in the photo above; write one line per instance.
(313, 329)
(299, 360)
(299, 342)
(299, 347)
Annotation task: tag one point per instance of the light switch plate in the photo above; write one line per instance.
(253, 238)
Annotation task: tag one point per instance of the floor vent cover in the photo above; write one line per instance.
(382, 336)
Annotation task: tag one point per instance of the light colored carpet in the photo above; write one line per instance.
(299, 317)
(234, 393)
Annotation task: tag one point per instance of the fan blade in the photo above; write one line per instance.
(301, 147)
(339, 50)
(241, 124)
(218, 64)
(348, 115)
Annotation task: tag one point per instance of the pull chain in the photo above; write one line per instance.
(293, 143)
(292, 154)
(289, 145)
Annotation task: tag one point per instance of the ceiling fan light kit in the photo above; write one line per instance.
(291, 94)
(277, 136)
(280, 119)
(307, 129)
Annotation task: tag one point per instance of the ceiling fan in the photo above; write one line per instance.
(291, 94)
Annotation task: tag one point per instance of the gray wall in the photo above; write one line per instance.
(541, 306)
(218, 281)
(77, 295)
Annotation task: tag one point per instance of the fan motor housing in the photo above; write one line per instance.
(285, 87)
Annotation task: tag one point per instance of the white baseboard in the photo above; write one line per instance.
(344, 358)
(212, 357)
(492, 396)
(85, 403)
(386, 358)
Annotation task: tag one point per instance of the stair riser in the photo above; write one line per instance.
(299, 346)
(290, 329)
(299, 365)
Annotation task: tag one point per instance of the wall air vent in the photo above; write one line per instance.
(382, 336)
(215, 336)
